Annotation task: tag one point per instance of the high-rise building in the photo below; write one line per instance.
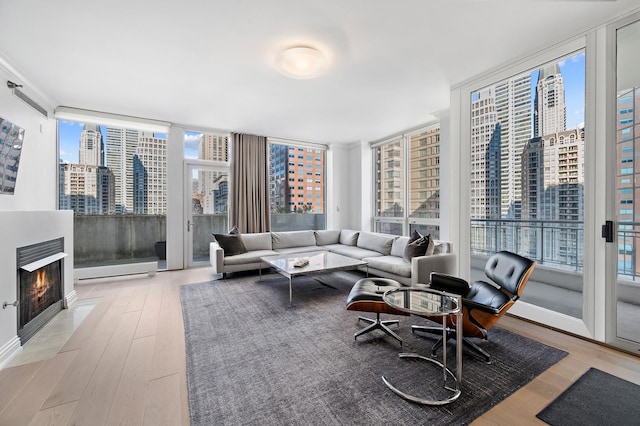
(424, 167)
(486, 166)
(486, 159)
(91, 149)
(390, 165)
(212, 147)
(297, 179)
(513, 112)
(628, 181)
(86, 189)
(553, 176)
(150, 175)
(121, 146)
(280, 184)
(550, 112)
(553, 181)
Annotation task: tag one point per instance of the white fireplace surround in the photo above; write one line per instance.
(19, 229)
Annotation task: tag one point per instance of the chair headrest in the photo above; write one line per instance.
(508, 270)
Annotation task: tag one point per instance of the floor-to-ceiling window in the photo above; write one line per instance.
(297, 186)
(527, 152)
(114, 179)
(406, 179)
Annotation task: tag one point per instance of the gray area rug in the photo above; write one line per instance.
(253, 359)
(596, 398)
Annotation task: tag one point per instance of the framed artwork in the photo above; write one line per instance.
(11, 137)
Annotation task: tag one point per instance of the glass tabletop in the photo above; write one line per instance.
(422, 301)
(317, 261)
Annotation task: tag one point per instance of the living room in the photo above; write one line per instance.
(387, 112)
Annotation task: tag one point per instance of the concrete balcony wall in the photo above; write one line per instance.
(110, 239)
(297, 221)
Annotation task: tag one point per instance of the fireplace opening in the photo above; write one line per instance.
(40, 285)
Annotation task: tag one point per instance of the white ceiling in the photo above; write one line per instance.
(209, 63)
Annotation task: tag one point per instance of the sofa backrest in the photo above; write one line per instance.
(257, 241)
(286, 239)
(349, 237)
(325, 237)
(377, 242)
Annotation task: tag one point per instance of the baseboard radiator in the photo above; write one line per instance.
(148, 268)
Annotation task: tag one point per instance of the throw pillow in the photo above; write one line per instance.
(415, 236)
(231, 243)
(416, 247)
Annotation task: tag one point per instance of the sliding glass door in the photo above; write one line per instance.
(624, 311)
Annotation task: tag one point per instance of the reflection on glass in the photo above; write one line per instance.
(627, 181)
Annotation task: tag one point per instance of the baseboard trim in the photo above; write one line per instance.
(70, 299)
(9, 350)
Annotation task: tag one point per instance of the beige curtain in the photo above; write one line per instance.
(249, 188)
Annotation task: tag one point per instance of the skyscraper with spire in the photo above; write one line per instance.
(91, 147)
(550, 111)
(553, 175)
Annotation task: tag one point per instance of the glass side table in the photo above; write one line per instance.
(431, 303)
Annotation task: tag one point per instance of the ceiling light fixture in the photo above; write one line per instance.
(301, 62)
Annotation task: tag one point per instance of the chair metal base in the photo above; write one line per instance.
(376, 324)
(451, 334)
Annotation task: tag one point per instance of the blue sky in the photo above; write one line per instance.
(573, 76)
(69, 133)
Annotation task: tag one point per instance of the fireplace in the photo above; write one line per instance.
(40, 285)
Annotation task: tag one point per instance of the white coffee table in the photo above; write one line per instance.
(320, 262)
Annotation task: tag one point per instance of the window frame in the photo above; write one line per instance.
(406, 221)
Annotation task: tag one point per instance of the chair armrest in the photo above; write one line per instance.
(469, 304)
(216, 257)
(448, 283)
(423, 266)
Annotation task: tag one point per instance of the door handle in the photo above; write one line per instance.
(607, 231)
(189, 225)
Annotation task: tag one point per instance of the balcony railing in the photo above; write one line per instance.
(556, 243)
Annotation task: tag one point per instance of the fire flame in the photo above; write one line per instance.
(41, 284)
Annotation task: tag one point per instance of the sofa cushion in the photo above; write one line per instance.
(249, 257)
(328, 236)
(352, 251)
(376, 242)
(441, 247)
(349, 237)
(304, 249)
(391, 264)
(257, 241)
(231, 243)
(416, 248)
(292, 239)
(397, 249)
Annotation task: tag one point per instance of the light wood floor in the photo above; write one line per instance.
(125, 364)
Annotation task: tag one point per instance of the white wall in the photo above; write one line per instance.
(28, 216)
(37, 174)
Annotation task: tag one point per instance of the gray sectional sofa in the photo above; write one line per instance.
(382, 252)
